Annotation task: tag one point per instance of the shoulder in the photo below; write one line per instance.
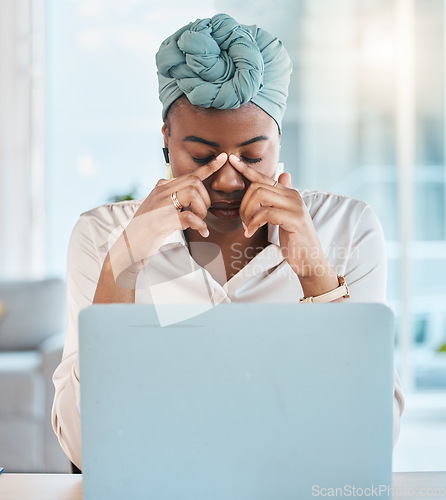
(332, 212)
(111, 213)
(99, 226)
(333, 204)
(107, 217)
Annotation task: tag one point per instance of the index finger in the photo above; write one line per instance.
(250, 173)
(207, 170)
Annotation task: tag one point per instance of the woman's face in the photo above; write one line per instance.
(195, 136)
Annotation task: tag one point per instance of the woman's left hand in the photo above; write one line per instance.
(282, 205)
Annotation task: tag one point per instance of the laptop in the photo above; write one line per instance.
(243, 402)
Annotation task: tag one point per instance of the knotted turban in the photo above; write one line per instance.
(221, 64)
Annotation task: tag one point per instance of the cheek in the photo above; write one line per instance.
(268, 166)
(268, 169)
(181, 163)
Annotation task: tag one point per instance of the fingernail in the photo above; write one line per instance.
(234, 157)
(244, 226)
(205, 233)
(221, 156)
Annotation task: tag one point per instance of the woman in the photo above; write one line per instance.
(226, 226)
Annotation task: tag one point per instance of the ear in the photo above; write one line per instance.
(165, 132)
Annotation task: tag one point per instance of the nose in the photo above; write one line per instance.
(227, 179)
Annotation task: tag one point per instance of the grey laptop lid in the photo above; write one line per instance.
(246, 401)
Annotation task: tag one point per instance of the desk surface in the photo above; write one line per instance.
(406, 485)
(40, 487)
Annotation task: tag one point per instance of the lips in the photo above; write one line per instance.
(225, 209)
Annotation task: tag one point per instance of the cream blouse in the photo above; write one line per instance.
(350, 234)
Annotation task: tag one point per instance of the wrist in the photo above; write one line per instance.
(319, 283)
(336, 294)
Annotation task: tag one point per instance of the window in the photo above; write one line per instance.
(347, 128)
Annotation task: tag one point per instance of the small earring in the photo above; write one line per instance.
(167, 162)
(166, 155)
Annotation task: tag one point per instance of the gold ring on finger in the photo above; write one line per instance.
(275, 183)
(175, 201)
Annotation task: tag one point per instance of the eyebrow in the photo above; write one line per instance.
(194, 138)
(255, 139)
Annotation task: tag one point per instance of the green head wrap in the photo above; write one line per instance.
(221, 64)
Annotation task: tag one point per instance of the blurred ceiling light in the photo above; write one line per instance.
(378, 51)
(86, 166)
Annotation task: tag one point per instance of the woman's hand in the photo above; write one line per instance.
(192, 195)
(155, 220)
(282, 205)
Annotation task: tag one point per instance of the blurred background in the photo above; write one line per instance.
(80, 126)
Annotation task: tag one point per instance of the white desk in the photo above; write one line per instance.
(406, 486)
(40, 487)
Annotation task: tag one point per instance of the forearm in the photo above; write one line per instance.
(320, 282)
(130, 253)
(65, 413)
(107, 291)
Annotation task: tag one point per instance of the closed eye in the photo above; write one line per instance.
(251, 160)
(203, 161)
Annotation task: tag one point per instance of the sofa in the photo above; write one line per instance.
(32, 321)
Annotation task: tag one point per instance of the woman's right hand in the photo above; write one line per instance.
(157, 218)
(192, 195)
